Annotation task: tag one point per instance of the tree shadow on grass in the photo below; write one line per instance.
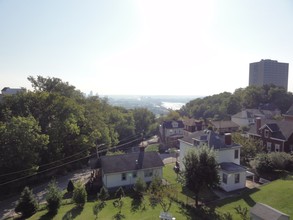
(73, 213)
(191, 212)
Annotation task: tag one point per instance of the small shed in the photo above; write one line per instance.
(264, 212)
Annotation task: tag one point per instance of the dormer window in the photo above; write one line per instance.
(174, 124)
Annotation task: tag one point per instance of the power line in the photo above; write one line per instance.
(20, 178)
(20, 171)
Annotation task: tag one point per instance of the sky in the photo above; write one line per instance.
(143, 47)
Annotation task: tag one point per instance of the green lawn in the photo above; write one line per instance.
(152, 147)
(131, 209)
(278, 194)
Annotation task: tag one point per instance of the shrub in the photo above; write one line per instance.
(53, 197)
(281, 160)
(70, 186)
(262, 163)
(139, 187)
(103, 194)
(79, 196)
(27, 203)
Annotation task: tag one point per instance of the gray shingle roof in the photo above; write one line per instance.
(130, 162)
(224, 124)
(213, 139)
(266, 212)
(231, 167)
(169, 124)
(281, 129)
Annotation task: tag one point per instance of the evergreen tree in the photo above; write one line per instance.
(27, 204)
(79, 194)
(53, 197)
(70, 186)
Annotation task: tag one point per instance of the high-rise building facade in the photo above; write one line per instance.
(268, 72)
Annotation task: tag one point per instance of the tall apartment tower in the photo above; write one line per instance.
(268, 72)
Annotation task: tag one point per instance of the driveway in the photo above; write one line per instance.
(7, 206)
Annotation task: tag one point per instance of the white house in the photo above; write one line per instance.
(123, 170)
(233, 176)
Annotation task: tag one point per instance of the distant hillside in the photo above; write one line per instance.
(223, 105)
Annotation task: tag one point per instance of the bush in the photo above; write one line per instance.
(262, 163)
(139, 187)
(70, 186)
(53, 197)
(103, 194)
(281, 160)
(79, 196)
(27, 204)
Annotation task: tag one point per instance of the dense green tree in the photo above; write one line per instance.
(20, 143)
(200, 170)
(54, 85)
(27, 203)
(53, 197)
(250, 147)
(225, 104)
(144, 121)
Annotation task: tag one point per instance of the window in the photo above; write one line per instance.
(269, 147)
(237, 178)
(277, 147)
(148, 173)
(267, 133)
(236, 154)
(225, 178)
(123, 176)
(134, 174)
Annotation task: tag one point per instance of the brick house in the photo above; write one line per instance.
(276, 136)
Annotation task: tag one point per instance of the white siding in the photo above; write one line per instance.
(231, 185)
(227, 155)
(115, 179)
(224, 155)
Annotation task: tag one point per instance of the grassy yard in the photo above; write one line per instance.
(131, 208)
(278, 194)
(152, 147)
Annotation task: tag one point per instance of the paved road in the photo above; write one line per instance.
(7, 206)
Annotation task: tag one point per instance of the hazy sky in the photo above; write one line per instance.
(143, 47)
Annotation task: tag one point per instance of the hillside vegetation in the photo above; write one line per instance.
(223, 105)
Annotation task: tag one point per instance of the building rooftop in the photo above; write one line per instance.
(231, 167)
(130, 162)
(213, 139)
(263, 211)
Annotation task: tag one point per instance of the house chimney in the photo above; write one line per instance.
(228, 139)
(258, 124)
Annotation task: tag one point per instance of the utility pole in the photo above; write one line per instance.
(97, 148)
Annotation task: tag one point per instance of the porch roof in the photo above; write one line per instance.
(230, 167)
